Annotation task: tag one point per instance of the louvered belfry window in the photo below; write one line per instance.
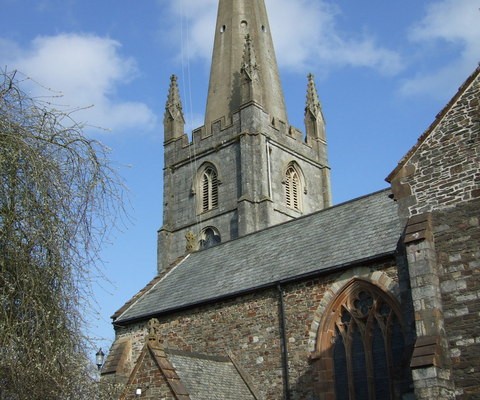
(364, 339)
(292, 189)
(209, 189)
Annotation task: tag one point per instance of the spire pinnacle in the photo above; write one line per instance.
(174, 103)
(314, 120)
(313, 103)
(173, 121)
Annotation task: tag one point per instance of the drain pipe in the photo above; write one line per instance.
(283, 340)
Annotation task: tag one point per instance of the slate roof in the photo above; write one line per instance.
(209, 378)
(333, 238)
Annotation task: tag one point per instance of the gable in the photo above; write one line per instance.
(443, 168)
(154, 376)
(177, 375)
(210, 378)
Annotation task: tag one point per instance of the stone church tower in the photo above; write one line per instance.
(246, 169)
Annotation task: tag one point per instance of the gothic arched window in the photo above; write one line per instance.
(361, 346)
(293, 188)
(208, 188)
(209, 237)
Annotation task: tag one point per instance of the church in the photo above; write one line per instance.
(265, 290)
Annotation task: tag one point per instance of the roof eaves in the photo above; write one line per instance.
(272, 284)
(155, 281)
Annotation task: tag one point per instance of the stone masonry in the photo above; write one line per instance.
(249, 328)
(439, 181)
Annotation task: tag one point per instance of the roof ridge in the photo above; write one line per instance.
(244, 375)
(200, 356)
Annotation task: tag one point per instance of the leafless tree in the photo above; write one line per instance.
(59, 197)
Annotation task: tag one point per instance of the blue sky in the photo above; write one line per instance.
(383, 70)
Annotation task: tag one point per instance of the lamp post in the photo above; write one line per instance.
(99, 358)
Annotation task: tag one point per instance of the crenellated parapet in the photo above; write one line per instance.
(226, 130)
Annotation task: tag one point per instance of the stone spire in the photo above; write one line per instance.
(173, 121)
(235, 20)
(314, 120)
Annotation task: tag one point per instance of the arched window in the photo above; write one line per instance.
(209, 188)
(360, 346)
(209, 237)
(293, 188)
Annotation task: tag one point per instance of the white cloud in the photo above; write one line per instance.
(306, 35)
(304, 32)
(196, 27)
(448, 22)
(451, 20)
(87, 70)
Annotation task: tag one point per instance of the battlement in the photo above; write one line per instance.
(249, 120)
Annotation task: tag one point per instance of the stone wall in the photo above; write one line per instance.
(249, 327)
(444, 168)
(437, 186)
(457, 241)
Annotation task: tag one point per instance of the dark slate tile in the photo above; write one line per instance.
(210, 378)
(343, 235)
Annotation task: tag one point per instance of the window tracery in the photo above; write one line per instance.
(361, 345)
(209, 237)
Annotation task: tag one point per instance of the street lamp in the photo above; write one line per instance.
(99, 358)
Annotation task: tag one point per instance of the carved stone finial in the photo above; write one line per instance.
(251, 89)
(174, 103)
(313, 103)
(191, 244)
(249, 62)
(153, 329)
(314, 120)
(173, 120)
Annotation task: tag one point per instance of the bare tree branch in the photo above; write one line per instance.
(59, 198)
